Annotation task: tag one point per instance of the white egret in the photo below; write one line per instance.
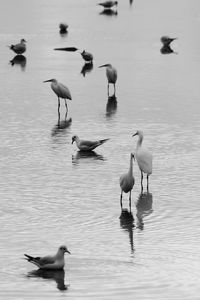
(19, 48)
(108, 4)
(55, 262)
(127, 181)
(61, 91)
(144, 157)
(166, 40)
(85, 145)
(111, 74)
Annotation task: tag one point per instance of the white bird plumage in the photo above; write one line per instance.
(127, 181)
(144, 157)
(111, 74)
(19, 48)
(61, 91)
(85, 145)
(55, 262)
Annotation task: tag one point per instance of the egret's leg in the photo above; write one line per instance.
(58, 105)
(58, 118)
(147, 182)
(130, 201)
(108, 88)
(121, 200)
(114, 88)
(141, 180)
(66, 106)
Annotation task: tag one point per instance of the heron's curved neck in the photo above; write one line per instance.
(140, 139)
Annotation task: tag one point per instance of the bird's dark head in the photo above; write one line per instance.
(23, 41)
(74, 138)
(50, 80)
(166, 40)
(64, 249)
(139, 133)
(116, 2)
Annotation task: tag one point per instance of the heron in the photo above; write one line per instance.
(166, 40)
(144, 157)
(85, 145)
(111, 74)
(127, 181)
(55, 262)
(108, 4)
(61, 91)
(19, 48)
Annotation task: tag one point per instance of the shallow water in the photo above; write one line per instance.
(52, 195)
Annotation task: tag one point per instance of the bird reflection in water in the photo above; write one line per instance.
(144, 207)
(111, 106)
(61, 125)
(57, 275)
(87, 68)
(167, 50)
(127, 223)
(19, 60)
(86, 155)
(109, 12)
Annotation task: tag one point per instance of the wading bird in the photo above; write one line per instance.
(55, 262)
(61, 91)
(19, 48)
(87, 56)
(85, 145)
(144, 158)
(111, 74)
(108, 4)
(127, 181)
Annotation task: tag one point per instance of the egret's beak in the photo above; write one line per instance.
(103, 66)
(135, 134)
(49, 80)
(133, 155)
(68, 251)
(72, 141)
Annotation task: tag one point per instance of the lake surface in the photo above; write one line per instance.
(52, 195)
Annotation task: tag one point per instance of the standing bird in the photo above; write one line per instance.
(19, 48)
(108, 4)
(144, 158)
(111, 74)
(61, 91)
(55, 262)
(127, 181)
(85, 145)
(166, 40)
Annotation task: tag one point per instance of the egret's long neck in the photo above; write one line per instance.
(77, 140)
(139, 142)
(131, 165)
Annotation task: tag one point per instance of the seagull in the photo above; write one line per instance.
(166, 40)
(84, 145)
(55, 262)
(19, 48)
(144, 157)
(108, 4)
(127, 181)
(111, 74)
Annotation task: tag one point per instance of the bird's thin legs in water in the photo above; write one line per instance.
(66, 106)
(147, 182)
(108, 89)
(130, 201)
(121, 200)
(141, 180)
(114, 88)
(58, 106)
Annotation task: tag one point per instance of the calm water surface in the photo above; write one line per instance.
(52, 195)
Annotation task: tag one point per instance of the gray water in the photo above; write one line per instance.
(53, 195)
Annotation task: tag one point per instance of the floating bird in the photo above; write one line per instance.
(55, 262)
(127, 181)
(108, 4)
(61, 91)
(63, 27)
(144, 158)
(19, 48)
(87, 56)
(111, 74)
(84, 145)
(166, 40)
